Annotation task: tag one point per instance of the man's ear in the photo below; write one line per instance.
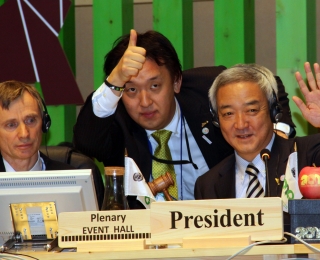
(177, 85)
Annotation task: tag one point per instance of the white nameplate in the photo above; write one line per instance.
(93, 226)
(260, 219)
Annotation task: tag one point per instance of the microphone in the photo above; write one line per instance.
(265, 156)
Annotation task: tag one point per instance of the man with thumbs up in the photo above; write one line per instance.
(142, 94)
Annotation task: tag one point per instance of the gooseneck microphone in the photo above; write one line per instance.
(265, 156)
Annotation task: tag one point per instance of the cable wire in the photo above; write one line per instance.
(303, 242)
(284, 240)
(11, 256)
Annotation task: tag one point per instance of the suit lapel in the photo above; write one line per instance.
(226, 179)
(199, 121)
(203, 140)
(2, 168)
(142, 155)
(281, 149)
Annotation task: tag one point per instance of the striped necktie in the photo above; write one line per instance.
(255, 190)
(163, 152)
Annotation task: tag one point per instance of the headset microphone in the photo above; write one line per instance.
(265, 156)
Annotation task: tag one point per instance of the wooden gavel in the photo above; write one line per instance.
(161, 184)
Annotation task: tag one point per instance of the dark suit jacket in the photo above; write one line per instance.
(106, 138)
(50, 164)
(219, 182)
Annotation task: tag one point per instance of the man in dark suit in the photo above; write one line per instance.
(49, 165)
(245, 106)
(145, 91)
(23, 119)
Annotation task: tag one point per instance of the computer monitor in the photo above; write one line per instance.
(35, 195)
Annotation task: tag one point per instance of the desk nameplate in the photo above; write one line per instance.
(260, 218)
(93, 226)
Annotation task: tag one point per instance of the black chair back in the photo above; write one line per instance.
(69, 155)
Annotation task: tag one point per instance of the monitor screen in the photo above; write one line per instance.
(31, 199)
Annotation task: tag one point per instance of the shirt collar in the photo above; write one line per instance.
(241, 164)
(173, 126)
(38, 166)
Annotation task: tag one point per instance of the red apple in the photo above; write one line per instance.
(309, 182)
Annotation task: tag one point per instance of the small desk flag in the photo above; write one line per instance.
(290, 189)
(135, 184)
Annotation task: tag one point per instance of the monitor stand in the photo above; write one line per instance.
(16, 244)
(35, 226)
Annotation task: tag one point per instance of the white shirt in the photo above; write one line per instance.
(242, 179)
(105, 103)
(38, 166)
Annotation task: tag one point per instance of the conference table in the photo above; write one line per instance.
(272, 252)
(169, 235)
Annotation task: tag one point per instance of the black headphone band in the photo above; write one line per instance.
(275, 110)
(275, 107)
(46, 120)
(44, 106)
(174, 161)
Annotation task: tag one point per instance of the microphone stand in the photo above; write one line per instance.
(267, 176)
(265, 155)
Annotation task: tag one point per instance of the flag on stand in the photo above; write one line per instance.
(135, 184)
(290, 189)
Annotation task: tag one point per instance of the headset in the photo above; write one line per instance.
(46, 120)
(215, 118)
(275, 111)
(275, 108)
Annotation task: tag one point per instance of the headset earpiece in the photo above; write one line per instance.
(215, 118)
(275, 109)
(46, 120)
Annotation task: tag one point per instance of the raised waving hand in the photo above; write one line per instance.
(311, 108)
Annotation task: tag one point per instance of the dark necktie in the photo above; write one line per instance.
(255, 190)
(163, 152)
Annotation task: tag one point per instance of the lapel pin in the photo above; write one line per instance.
(204, 123)
(207, 139)
(205, 130)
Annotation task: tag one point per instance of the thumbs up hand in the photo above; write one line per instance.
(130, 63)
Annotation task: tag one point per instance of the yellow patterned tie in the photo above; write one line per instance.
(163, 152)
